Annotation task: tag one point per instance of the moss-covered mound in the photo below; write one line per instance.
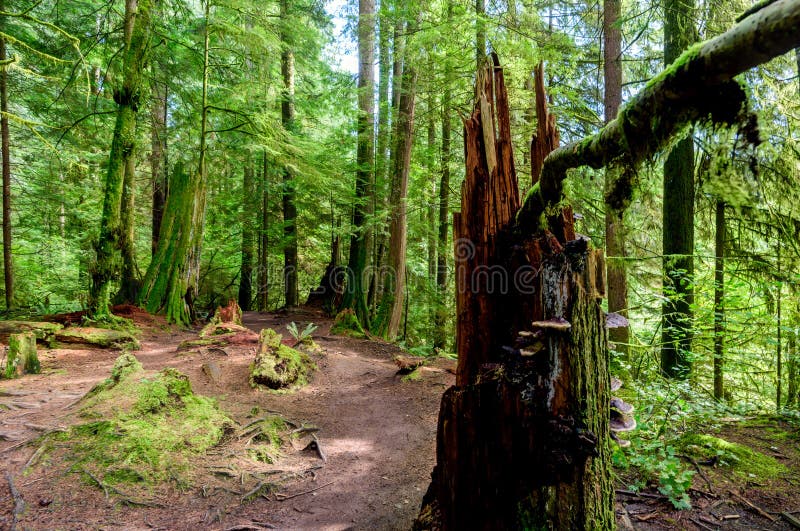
(743, 460)
(346, 324)
(279, 366)
(143, 427)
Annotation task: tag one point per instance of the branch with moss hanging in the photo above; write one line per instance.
(699, 87)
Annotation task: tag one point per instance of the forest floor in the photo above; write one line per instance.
(376, 431)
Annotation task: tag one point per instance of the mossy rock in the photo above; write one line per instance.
(98, 337)
(346, 324)
(278, 366)
(143, 427)
(742, 459)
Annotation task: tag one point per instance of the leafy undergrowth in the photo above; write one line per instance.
(142, 428)
(690, 452)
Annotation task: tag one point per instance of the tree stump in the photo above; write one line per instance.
(21, 357)
(523, 436)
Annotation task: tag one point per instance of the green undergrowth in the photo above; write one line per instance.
(346, 324)
(142, 427)
(742, 460)
(278, 366)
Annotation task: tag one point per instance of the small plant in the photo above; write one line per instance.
(661, 463)
(300, 336)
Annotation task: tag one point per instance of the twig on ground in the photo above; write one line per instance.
(758, 510)
(791, 519)
(700, 524)
(283, 497)
(256, 491)
(699, 471)
(641, 494)
(19, 503)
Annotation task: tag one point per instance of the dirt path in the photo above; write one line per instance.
(377, 433)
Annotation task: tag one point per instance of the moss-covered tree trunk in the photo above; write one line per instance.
(615, 218)
(170, 285)
(719, 301)
(522, 441)
(128, 97)
(289, 123)
(262, 299)
(159, 168)
(355, 296)
(678, 215)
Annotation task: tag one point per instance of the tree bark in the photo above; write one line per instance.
(719, 301)
(357, 286)
(170, 285)
(249, 209)
(128, 97)
(391, 310)
(158, 154)
(5, 146)
(263, 240)
(615, 218)
(288, 120)
(522, 440)
(480, 33)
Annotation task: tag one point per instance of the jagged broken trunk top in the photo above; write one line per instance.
(523, 435)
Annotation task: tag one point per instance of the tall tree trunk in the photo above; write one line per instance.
(263, 240)
(170, 285)
(615, 218)
(391, 310)
(5, 144)
(678, 215)
(289, 192)
(779, 326)
(128, 98)
(357, 285)
(522, 439)
(719, 301)
(130, 281)
(430, 211)
(440, 320)
(158, 153)
(480, 33)
(249, 210)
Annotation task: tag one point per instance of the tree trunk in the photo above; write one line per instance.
(5, 145)
(391, 310)
(130, 278)
(263, 240)
(430, 210)
(357, 285)
(719, 301)
(249, 209)
(778, 327)
(128, 97)
(440, 332)
(289, 193)
(170, 285)
(158, 154)
(615, 218)
(678, 215)
(480, 33)
(522, 441)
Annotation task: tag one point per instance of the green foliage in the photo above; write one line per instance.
(301, 336)
(346, 324)
(659, 463)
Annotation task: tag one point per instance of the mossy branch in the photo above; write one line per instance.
(698, 86)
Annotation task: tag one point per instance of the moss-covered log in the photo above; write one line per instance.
(278, 366)
(698, 86)
(44, 331)
(97, 337)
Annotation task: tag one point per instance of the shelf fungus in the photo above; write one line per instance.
(558, 324)
(615, 320)
(621, 416)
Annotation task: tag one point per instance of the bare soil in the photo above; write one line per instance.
(376, 431)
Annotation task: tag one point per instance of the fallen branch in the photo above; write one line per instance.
(256, 491)
(697, 85)
(753, 507)
(791, 519)
(19, 503)
(641, 494)
(283, 497)
(700, 524)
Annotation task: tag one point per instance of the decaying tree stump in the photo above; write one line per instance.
(522, 439)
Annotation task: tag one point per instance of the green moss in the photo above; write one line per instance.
(413, 376)
(101, 337)
(148, 427)
(743, 460)
(278, 366)
(346, 324)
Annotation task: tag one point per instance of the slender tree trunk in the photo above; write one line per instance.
(480, 33)
(130, 281)
(5, 144)
(391, 310)
(778, 343)
(249, 209)
(128, 97)
(719, 302)
(678, 215)
(289, 123)
(430, 200)
(158, 154)
(263, 241)
(615, 218)
(355, 296)
(170, 285)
